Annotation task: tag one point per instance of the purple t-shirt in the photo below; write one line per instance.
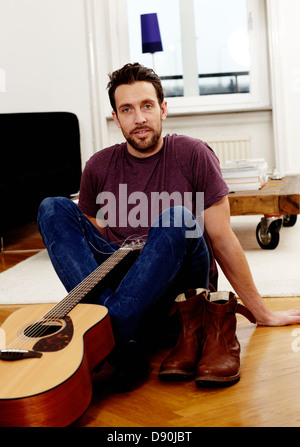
(132, 191)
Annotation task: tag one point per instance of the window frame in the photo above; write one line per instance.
(257, 99)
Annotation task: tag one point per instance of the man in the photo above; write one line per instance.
(120, 200)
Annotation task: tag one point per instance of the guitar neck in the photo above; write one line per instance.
(79, 292)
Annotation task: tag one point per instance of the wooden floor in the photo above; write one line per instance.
(18, 245)
(267, 395)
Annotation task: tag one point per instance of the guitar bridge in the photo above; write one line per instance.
(18, 354)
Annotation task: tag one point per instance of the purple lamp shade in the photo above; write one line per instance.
(151, 40)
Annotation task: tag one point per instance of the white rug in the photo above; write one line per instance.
(31, 281)
(275, 272)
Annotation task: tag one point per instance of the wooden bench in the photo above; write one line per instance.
(278, 201)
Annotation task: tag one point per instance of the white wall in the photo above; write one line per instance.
(257, 125)
(43, 54)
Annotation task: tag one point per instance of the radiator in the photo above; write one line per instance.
(229, 147)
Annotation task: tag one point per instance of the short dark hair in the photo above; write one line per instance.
(129, 74)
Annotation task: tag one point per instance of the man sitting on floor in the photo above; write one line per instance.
(121, 193)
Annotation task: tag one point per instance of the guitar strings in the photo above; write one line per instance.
(132, 239)
(61, 309)
(93, 278)
(37, 329)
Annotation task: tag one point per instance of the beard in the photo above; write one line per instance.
(141, 144)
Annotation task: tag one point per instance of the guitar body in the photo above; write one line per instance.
(56, 388)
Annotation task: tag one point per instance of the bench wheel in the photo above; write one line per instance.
(267, 233)
(289, 220)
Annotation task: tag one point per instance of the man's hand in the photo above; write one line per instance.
(232, 260)
(281, 318)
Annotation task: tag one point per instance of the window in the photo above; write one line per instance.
(222, 42)
(214, 52)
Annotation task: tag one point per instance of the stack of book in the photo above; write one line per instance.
(245, 175)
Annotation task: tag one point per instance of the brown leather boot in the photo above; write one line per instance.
(182, 361)
(220, 361)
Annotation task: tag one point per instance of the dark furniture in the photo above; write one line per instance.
(40, 157)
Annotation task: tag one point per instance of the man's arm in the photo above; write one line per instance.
(231, 258)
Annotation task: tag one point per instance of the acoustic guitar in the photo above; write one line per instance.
(50, 353)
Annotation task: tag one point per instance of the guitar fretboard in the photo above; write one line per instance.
(69, 302)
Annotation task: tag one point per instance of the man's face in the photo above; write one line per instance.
(139, 116)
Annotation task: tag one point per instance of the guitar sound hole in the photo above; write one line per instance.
(43, 328)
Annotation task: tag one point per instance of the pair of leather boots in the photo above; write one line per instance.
(207, 349)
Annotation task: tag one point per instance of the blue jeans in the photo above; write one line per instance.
(169, 262)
